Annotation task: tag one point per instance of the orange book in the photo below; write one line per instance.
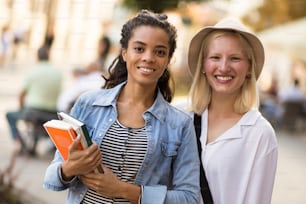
(81, 129)
(62, 135)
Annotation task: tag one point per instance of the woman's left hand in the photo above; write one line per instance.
(106, 184)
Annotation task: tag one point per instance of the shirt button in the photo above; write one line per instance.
(110, 120)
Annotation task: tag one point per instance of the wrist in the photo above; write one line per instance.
(130, 192)
(65, 172)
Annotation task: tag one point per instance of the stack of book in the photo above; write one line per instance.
(64, 131)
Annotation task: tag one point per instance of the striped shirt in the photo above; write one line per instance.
(123, 150)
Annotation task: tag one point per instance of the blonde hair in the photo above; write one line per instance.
(200, 91)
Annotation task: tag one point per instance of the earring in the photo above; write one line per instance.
(203, 72)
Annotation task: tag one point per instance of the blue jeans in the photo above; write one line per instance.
(35, 116)
(12, 118)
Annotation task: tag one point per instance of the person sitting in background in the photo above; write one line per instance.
(37, 98)
(293, 93)
(89, 78)
(292, 101)
(270, 105)
(84, 80)
(102, 62)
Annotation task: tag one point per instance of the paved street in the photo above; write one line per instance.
(289, 188)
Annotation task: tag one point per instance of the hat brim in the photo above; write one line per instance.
(196, 42)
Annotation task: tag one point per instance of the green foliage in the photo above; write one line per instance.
(275, 12)
(153, 5)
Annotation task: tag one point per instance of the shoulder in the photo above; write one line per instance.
(178, 111)
(181, 105)
(177, 117)
(259, 129)
(91, 96)
(254, 118)
(263, 124)
(166, 112)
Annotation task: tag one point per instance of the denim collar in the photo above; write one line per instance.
(108, 97)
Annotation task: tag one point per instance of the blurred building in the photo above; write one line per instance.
(77, 25)
(285, 53)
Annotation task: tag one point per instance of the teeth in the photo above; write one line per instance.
(224, 78)
(146, 69)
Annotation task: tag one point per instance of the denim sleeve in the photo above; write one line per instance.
(53, 178)
(64, 181)
(153, 194)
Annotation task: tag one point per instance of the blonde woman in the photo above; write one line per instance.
(238, 145)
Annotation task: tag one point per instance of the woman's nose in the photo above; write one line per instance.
(148, 56)
(224, 65)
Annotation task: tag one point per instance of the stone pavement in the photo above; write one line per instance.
(289, 188)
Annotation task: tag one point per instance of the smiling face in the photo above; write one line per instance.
(226, 65)
(147, 55)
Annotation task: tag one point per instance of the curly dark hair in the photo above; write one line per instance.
(118, 71)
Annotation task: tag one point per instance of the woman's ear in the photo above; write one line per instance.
(249, 75)
(123, 53)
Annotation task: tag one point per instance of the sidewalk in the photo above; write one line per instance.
(290, 180)
(290, 184)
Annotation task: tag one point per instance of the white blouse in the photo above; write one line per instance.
(240, 165)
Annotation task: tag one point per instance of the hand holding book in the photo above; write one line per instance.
(64, 131)
(81, 162)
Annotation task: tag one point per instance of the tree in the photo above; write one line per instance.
(153, 5)
(275, 12)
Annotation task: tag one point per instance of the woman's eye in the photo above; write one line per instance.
(138, 49)
(160, 53)
(235, 59)
(214, 57)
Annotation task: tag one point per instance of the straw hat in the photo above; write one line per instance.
(225, 24)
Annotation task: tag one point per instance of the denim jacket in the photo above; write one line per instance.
(170, 170)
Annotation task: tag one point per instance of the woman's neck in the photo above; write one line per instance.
(132, 103)
(137, 95)
(222, 107)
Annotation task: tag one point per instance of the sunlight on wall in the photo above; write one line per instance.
(78, 25)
